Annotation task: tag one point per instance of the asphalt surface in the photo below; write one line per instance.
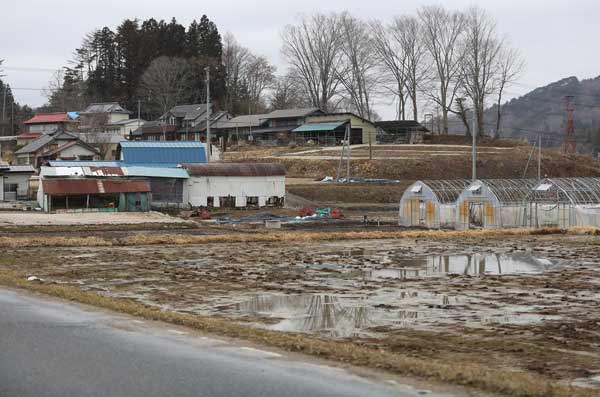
(52, 348)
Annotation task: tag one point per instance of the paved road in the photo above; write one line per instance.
(49, 348)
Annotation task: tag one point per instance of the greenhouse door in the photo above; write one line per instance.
(422, 213)
(475, 214)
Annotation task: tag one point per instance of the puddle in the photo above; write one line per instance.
(340, 315)
(466, 264)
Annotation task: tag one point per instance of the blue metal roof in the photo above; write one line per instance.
(170, 152)
(328, 126)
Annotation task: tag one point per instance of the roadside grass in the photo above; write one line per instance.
(274, 237)
(509, 383)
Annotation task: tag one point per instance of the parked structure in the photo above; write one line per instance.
(14, 182)
(431, 204)
(564, 202)
(493, 203)
(362, 130)
(45, 123)
(235, 185)
(54, 146)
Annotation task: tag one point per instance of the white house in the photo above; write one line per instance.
(234, 185)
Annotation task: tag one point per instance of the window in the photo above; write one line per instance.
(11, 187)
(86, 158)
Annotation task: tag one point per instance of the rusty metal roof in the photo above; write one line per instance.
(235, 169)
(93, 186)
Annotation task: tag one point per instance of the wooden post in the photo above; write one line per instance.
(87, 202)
(67, 201)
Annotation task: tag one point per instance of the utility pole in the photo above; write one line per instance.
(348, 153)
(539, 170)
(474, 148)
(4, 109)
(208, 145)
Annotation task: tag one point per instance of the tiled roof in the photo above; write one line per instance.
(105, 107)
(46, 118)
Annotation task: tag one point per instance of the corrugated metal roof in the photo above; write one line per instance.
(157, 172)
(326, 126)
(171, 152)
(98, 163)
(291, 113)
(93, 186)
(235, 169)
(21, 168)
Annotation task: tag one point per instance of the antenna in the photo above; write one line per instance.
(570, 143)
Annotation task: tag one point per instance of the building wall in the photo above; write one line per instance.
(198, 189)
(369, 131)
(76, 152)
(44, 128)
(116, 117)
(21, 180)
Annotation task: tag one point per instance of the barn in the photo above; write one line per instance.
(564, 202)
(431, 203)
(493, 203)
(235, 185)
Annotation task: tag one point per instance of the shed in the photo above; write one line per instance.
(14, 181)
(165, 154)
(431, 203)
(88, 194)
(564, 202)
(325, 133)
(235, 185)
(493, 203)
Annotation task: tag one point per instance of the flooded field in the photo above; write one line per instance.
(528, 303)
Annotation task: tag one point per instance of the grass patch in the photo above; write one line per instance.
(267, 237)
(511, 383)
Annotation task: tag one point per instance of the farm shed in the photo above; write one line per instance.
(431, 203)
(15, 182)
(493, 203)
(564, 202)
(87, 194)
(235, 185)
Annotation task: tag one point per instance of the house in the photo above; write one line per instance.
(53, 146)
(400, 131)
(14, 182)
(124, 128)
(106, 143)
(240, 128)
(44, 123)
(97, 117)
(234, 185)
(277, 126)
(183, 123)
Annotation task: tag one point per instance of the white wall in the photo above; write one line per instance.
(197, 189)
(76, 151)
(22, 180)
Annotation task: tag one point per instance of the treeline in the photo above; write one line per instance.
(113, 65)
(12, 114)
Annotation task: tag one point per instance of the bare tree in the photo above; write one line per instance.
(392, 64)
(259, 75)
(510, 67)
(357, 72)
(312, 49)
(442, 31)
(166, 82)
(285, 94)
(235, 59)
(407, 32)
(479, 66)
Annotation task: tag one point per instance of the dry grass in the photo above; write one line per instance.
(262, 236)
(508, 383)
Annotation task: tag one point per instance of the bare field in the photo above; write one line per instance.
(505, 302)
(90, 218)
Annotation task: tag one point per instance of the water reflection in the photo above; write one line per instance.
(339, 316)
(467, 264)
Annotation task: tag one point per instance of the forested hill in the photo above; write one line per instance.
(543, 111)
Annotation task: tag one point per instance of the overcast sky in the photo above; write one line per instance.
(558, 38)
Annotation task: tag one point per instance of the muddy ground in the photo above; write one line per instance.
(527, 303)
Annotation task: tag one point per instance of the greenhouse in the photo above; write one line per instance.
(493, 203)
(431, 203)
(564, 202)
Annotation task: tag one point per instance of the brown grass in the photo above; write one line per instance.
(508, 383)
(262, 236)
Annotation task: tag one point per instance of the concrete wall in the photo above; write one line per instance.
(197, 189)
(76, 151)
(22, 181)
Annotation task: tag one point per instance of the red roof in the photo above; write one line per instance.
(29, 135)
(43, 118)
(93, 186)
